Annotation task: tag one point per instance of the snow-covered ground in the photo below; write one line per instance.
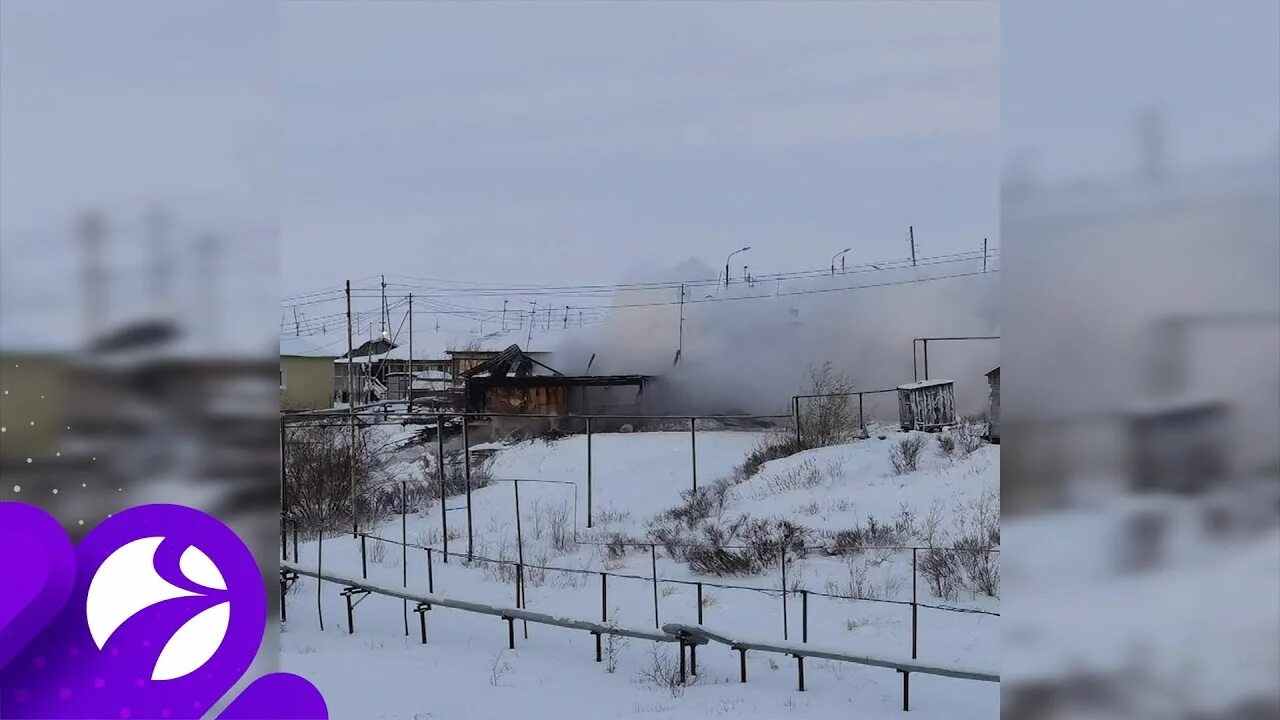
(466, 670)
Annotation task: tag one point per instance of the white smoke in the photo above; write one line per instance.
(748, 349)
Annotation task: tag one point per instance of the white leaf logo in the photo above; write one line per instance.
(126, 583)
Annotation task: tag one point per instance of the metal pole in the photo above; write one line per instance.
(693, 649)
(795, 411)
(653, 554)
(915, 372)
(693, 450)
(914, 612)
(284, 498)
(925, 343)
(444, 514)
(404, 550)
(431, 575)
(319, 574)
(800, 668)
(862, 417)
(984, 254)
(466, 469)
(295, 541)
(804, 616)
(364, 561)
(411, 375)
(588, 472)
(520, 555)
(351, 419)
(784, 593)
(911, 233)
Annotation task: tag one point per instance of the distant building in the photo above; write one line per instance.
(1180, 446)
(306, 374)
(927, 405)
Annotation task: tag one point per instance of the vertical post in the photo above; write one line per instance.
(680, 342)
(431, 575)
(783, 553)
(984, 254)
(284, 497)
(351, 419)
(693, 649)
(422, 623)
(444, 513)
(915, 371)
(588, 472)
(914, 610)
(511, 633)
(320, 571)
(906, 690)
(409, 391)
(284, 615)
(404, 550)
(364, 558)
(351, 616)
(800, 668)
(520, 556)
(862, 417)
(653, 554)
(466, 470)
(683, 669)
(911, 235)
(925, 343)
(295, 541)
(604, 609)
(693, 450)
(795, 412)
(742, 659)
(804, 616)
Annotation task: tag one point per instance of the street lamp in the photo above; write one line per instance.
(841, 256)
(726, 263)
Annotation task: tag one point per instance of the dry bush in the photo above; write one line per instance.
(318, 470)
(832, 419)
(967, 436)
(803, 477)
(610, 515)
(774, 446)
(905, 454)
(663, 672)
(377, 552)
(455, 475)
(613, 645)
(946, 445)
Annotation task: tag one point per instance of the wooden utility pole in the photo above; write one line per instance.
(680, 342)
(351, 419)
(984, 254)
(911, 237)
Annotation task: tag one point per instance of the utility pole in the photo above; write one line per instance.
(984, 254)
(382, 316)
(351, 418)
(680, 343)
(297, 330)
(911, 237)
(504, 315)
(566, 317)
(533, 318)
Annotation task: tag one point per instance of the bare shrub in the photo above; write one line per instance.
(773, 446)
(610, 515)
(663, 672)
(861, 537)
(967, 436)
(941, 569)
(615, 546)
(455, 475)
(499, 668)
(613, 645)
(831, 418)
(805, 476)
(905, 454)
(377, 551)
(946, 445)
(319, 466)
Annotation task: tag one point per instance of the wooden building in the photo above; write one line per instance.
(1180, 446)
(513, 382)
(927, 405)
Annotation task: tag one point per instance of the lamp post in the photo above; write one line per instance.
(726, 263)
(841, 256)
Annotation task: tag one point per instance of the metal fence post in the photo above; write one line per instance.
(364, 562)
(444, 515)
(795, 411)
(653, 554)
(320, 574)
(784, 593)
(693, 648)
(404, 547)
(804, 616)
(466, 469)
(588, 472)
(915, 610)
(862, 417)
(431, 576)
(693, 450)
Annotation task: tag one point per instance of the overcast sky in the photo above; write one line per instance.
(586, 143)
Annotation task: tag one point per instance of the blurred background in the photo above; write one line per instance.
(1141, 484)
(138, 262)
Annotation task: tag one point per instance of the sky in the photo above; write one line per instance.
(593, 143)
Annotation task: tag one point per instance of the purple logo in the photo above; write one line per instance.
(157, 614)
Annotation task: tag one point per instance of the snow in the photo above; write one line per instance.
(466, 671)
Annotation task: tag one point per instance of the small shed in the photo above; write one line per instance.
(993, 422)
(928, 405)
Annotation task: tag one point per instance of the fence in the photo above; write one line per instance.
(516, 572)
(798, 413)
(687, 636)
